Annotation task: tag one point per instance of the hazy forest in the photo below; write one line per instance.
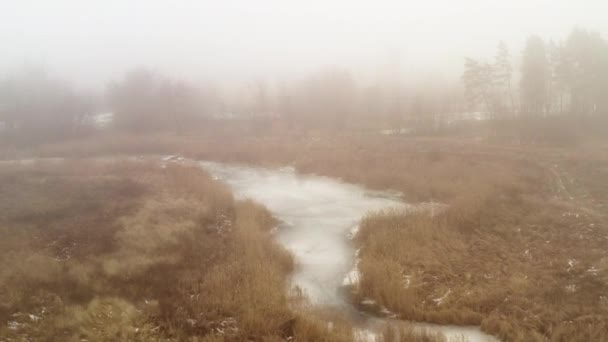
(323, 202)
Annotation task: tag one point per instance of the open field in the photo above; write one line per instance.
(132, 251)
(520, 250)
(422, 169)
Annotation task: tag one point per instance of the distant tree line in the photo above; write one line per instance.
(35, 107)
(550, 81)
(145, 101)
(567, 77)
(333, 99)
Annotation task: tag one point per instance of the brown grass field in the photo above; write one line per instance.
(520, 250)
(131, 251)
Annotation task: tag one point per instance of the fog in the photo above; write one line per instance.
(273, 170)
(231, 42)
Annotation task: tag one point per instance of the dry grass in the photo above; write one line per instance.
(423, 169)
(524, 265)
(132, 251)
(521, 250)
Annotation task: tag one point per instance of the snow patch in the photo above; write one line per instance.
(352, 278)
(368, 301)
(593, 270)
(571, 288)
(440, 300)
(353, 232)
(407, 280)
(364, 335)
(14, 325)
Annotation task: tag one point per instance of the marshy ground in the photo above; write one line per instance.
(519, 248)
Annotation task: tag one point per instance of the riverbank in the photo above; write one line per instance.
(136, 251)
(318, 216)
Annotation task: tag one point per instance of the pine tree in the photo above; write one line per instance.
(503, 72)
(534, 78)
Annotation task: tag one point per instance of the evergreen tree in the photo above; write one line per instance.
(534, 78)
(503, 72)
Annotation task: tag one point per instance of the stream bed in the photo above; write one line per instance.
(318, 216)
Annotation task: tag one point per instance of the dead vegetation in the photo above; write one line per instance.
(514, 254)
(131, 251)
(520, 251)
(420, 168)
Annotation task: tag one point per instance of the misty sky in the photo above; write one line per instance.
(92, 42)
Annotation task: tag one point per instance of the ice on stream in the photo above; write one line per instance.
(320, 216)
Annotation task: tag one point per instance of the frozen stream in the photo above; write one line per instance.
(318, 214)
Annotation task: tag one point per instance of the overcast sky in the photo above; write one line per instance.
(93, 41)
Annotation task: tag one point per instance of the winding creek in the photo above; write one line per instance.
(318, 215)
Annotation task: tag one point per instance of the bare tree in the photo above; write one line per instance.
(36, 107)
(324, 99)
(478, 80)
(145, 101)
